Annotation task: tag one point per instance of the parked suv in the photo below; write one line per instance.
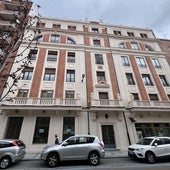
(150, 148)
(80, 147)
(11, 150)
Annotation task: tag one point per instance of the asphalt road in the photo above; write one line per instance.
(105, 164)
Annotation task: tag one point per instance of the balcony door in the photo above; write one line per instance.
(108, 136)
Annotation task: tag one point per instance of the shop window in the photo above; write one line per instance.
(41, 130)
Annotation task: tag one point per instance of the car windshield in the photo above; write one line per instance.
(145, 141)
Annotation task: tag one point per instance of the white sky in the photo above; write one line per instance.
(153, 14)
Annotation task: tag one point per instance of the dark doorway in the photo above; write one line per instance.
(14, 127)
(108, 136)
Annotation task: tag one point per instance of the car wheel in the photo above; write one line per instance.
(52, 160)
(94, 158)
(150, 157)
(5, 162)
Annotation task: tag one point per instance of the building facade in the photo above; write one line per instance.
(88, 77)
(14, 15)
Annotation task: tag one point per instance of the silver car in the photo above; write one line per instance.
(80, 147)
(11, 150)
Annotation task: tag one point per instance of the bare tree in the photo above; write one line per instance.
(11, 38)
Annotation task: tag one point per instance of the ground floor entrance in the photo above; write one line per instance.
(108, 136)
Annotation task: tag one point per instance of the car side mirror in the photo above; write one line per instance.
(155, 144)
(65, 144)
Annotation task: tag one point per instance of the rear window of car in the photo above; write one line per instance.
(20, 143)
(5, 144)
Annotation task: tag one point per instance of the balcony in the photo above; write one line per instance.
(42, 102)
(149, 105)
(105, 104)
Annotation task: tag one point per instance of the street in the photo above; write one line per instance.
(105, 164)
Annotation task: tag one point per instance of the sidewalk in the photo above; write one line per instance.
(108, 154)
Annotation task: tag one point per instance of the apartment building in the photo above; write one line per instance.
(87, 77)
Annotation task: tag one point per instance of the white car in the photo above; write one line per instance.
(150, 148)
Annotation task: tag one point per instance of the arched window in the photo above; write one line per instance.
(122, 45)
(70, 41)
(38, 38)
(148, 48)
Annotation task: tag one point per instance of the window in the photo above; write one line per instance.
(54, 38)
(70, 77)
(147, 80)
(103, 96)
(143, 35)
(134, 46)
(140, 61)
(38, 38)
(70, 41)
(156, 63)
(22, 93)
(71, 57)
(153, 97)
(96, 42)
(69, 95)
(163, 80)
(125, 61)
(72, 28)
(49, 75)
(41, 130)
(57, 26)
(116, 32)
(52, 56)
(135, 96)
(33, 54)
(130, 34)
(122, 45)
(96, 30)
(148, 48)
(100, 76)
(99, 59)
(130, 79)
(46, 94)
(27, 73)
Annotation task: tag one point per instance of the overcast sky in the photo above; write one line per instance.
(153, 14)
